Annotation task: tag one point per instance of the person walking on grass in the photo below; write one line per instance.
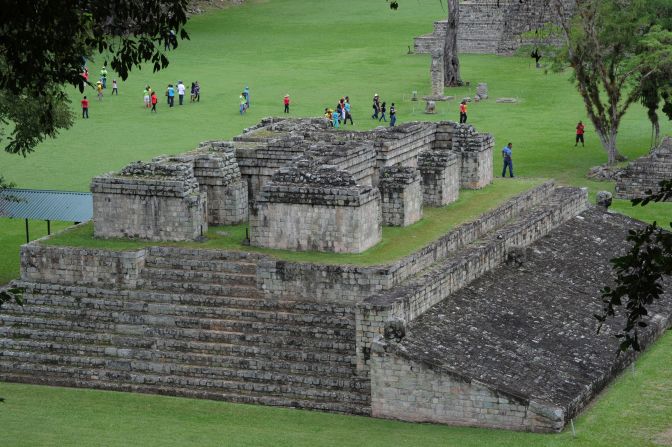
(336, 117)
(171, 95)
(383, 109)
(508, 160)
(154, 100)
(285, 101)
(347, 109)
(99, 89)
(197, 92)
(376, 106)
(115, 89)
(243, 104)
(393, 115)
(193, 92)
(85, 108)
(463, 112)
(180, 91)
(146, 96)
(580, 129)
(103, 76)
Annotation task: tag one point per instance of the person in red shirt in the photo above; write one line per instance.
(85, 108)
(286, 102)
(154, 101)
(463, 112)
(579, 134)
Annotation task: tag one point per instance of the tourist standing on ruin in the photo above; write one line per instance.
(580, 129)
(85, 108)
(285, 101)
(393, 115)
(463, 112)
(508, 160)
(346, 107)
(154, 100)
(383, 109)
(376, 106)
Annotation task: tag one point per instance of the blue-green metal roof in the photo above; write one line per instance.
(46, 205)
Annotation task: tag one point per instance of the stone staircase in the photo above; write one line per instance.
(196, 326)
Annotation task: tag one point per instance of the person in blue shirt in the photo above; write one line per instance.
(508, 161)
(171, 95)
(348, 115)
(246, 94)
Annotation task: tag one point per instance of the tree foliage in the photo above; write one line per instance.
(614, 48)
(639, 274)
(45, 43)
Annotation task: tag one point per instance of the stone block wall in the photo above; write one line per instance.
(80, 266)
(352, 284)
(440, 177)
(646, 173)
(457, 271)
(219, 177)
(494, 27)
(475, 151)
(411, 391)
(401, 196)
(159, 200)
(310, 206)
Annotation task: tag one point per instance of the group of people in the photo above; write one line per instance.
(380, 109)
(101, 85)
(341, 113)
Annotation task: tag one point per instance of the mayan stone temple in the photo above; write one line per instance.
(488, 325)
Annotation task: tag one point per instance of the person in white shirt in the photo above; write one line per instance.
(180, 91)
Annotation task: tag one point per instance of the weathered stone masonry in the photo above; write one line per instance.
(645, 173)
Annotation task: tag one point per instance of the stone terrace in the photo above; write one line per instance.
(517, 348)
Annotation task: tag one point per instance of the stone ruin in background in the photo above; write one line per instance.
(646, 173)
(494, 27)
(306, 187)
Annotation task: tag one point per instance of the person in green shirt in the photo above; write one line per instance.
(103, 76)
(243, 103)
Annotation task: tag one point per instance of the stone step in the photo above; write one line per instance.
(342, 369)
(263, 379)
(122, 374)
(204, 277)
(187, 299)
(270, 328)
(204, 289)
(345, 321)
(295, 353)
(214, 336)
(203, 254)
(65, 380)
(201, 265)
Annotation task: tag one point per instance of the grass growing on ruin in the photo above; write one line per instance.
(396, 242)
(633, 412)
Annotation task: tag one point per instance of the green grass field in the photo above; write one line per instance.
(318, 52)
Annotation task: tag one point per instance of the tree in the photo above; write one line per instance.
(451, 60)
(613, 47)
(44, 45)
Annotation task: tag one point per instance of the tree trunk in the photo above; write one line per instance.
(608, 140)
(450, 58)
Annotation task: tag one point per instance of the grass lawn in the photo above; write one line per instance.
(318, 52)
(633, 412)
(396, 241)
